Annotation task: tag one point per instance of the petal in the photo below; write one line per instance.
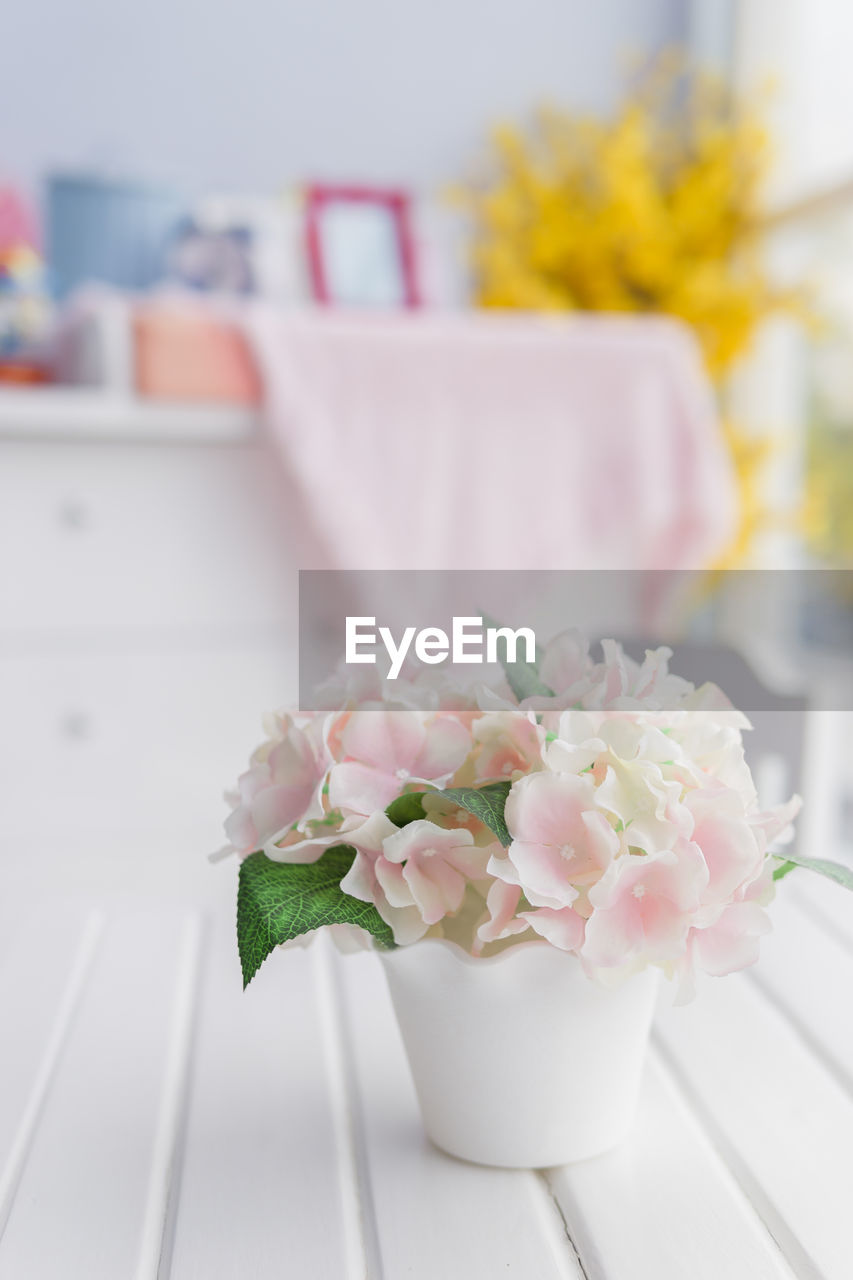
(302, 851)
(612, 936)
(563, 928)
(542, 870)
(731, 852)
(565, 661)
(507, 741)
(389, 877)
(593, 855)
(388, 740)
(356, 788)
(368, 834)
(360, 881)
(472, 860)
(445, 746)
(615, 672)
(406, 923)
(643, 904)
(733, 942)
(254, 780)
(241, 831)
(637, 794)
(544, 808)
(681, 880)
(423, 838)
(436, 887)
(570, 757)
(502, 869)
(501, 902)
(775, 823)
(279, 807)
(292, 760)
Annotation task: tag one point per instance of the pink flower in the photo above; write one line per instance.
(563, 927)
(508, 741)
(385, 749)
(565, 669)
(727, 841)
(280, 788)
(708, 745)
(643, 906)
(362, 882)
(560, 840)
(565, 661)
(316, 835)
(433, 863)
(635, 834)
(501, 903)
(648, 806)
(621, 683)
(306, 845)
(727, 942)
(773, 826)
(414, 875)
(763, 888)
(732, 942)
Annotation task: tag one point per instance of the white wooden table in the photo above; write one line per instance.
(155, 1121)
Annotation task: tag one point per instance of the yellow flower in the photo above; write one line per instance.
(654, 210)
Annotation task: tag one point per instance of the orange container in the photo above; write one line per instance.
(183, 355)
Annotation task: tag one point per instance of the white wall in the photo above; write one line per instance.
(250, 93)
(803, 48)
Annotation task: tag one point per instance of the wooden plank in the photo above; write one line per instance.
(40, 990)
(428, 1215)
(780, 1118)
(83, 1204)
(167, 1153)
(259, 1191)
(664, 1204)
(806, 970)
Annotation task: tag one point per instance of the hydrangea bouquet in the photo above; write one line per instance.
(604, 806)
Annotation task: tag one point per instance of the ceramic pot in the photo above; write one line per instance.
(520, 1060)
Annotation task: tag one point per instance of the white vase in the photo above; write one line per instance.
(520, 1060)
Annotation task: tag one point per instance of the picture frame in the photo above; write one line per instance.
(360, 246)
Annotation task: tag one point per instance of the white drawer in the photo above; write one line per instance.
(99, 536)
(135, 743)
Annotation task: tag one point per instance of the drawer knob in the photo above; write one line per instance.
(76, 726)
(73, 515)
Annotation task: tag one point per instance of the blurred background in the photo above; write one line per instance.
(261, 265)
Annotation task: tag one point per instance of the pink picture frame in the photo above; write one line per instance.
(321, 199)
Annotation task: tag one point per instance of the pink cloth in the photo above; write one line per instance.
(487, 441)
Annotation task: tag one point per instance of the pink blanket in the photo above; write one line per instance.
(486, 441)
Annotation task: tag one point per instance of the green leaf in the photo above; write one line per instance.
(784, 869)
(406, 808)
(523, 676)
(278, 901)
(487, 803)
(832, 870)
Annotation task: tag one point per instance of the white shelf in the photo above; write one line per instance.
(80, 413)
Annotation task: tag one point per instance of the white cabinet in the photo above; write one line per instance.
(147, 618)
(133, 538)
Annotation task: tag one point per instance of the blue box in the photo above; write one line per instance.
(114, 232)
